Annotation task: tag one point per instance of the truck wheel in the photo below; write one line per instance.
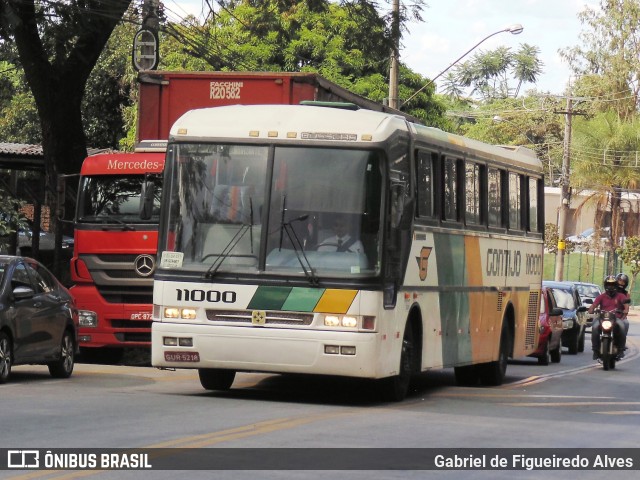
(395, 389)
(5, 357)
(216, 378)
(63, 367)
(493, 373)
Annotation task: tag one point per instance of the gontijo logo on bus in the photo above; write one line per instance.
(508, 263)
(146, 165)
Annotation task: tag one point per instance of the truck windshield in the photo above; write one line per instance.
(294, 211)
(110, 199)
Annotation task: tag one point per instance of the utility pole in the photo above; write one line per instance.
(395, 53)
(565, 188)
(565, 192)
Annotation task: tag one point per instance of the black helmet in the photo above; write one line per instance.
(610, 284)
(622, 280)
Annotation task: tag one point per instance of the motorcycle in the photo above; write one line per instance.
(608, 341)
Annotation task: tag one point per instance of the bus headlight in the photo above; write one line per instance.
(188, 313)
(349, 322)
(331, 321)
(171, 312)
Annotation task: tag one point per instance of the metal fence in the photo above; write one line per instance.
(590, 268)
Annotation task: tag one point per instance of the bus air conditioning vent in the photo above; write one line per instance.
(532, 319)
(500, 298)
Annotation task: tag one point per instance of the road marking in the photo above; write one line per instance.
(567, 404)
(204, 440)
(621, 412)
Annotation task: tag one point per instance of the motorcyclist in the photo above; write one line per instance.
(609, 301)
(622, 281)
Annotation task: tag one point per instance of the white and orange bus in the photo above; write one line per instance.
(442, 269)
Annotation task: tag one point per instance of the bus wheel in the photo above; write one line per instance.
(493, 373)
(216, 379)
(466, 376)
(395, 389)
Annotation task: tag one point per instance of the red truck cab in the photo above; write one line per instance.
(115, 247)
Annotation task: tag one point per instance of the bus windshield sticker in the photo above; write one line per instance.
(171, 259)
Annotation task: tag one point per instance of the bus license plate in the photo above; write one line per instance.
(182, 356)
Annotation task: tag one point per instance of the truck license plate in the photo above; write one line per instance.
(182, 356)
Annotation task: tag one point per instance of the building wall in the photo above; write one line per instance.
(579, 222)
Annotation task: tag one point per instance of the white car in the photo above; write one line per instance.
(586, 240)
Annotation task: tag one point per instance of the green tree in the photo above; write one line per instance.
(528, 121)
(629, 253)
(489, 73)
(346, 42)
(58, 44)
(610, 54)
(604, 164)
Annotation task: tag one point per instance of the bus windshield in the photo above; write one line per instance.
(115, 199)
(283, 210)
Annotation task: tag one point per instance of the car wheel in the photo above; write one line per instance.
(216, 378)
(63, 367)
(572, 344)
(556, 354)
(5, 357)
(545, 358)
(581, 342)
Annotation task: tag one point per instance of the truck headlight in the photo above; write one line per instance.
(87, 318)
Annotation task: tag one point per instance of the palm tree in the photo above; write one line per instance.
(604, 154)
(526, 65)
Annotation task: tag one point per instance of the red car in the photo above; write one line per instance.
(550, 325)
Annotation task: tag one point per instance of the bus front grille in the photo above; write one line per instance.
(271, 318)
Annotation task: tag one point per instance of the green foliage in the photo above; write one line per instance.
(11, 217)
(551, 237)
(490, 74)
(629, 253)
(610, 50)
(535, 126)
(19, 122)
(345, 42)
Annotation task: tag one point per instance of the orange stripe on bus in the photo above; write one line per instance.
(336, 301)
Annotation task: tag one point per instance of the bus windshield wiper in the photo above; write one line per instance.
(226, 251)
(298, 248)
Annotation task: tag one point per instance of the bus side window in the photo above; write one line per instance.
(450, 190)
(472, 193)
(495, 197)
(425, 180)
(515, 201)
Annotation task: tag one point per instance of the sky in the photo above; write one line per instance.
(452, 27)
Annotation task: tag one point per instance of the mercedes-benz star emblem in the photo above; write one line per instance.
(144, 265)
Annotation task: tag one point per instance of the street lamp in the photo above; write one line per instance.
(514, 29)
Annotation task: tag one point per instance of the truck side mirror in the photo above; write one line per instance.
(146, 200)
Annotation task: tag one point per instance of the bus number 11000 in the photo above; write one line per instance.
(212, 296)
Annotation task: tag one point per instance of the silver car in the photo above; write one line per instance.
(588, 293)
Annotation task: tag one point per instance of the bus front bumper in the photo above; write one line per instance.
(353, 354)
